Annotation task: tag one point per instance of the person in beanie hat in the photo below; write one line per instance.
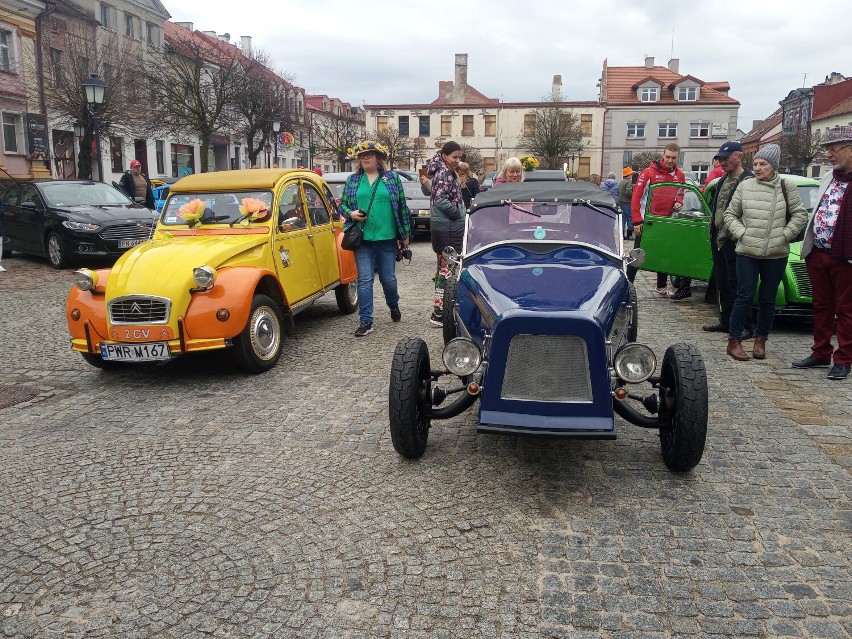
(827, 251)
(764, 216)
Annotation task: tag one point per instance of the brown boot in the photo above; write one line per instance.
(735, 350)
(759, 350)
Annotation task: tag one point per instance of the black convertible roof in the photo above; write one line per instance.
(542, 192)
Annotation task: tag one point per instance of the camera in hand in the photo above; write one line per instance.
(403, 254)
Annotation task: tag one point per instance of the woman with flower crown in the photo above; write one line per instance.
(373, 198)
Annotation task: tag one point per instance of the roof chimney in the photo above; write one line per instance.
(461, 71)
(245, 45)
(674, 65)
(556, 89)
(649, 62)
(186, 25)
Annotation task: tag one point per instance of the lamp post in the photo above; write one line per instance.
(94, 89)
(276, 127)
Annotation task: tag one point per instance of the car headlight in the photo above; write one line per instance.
(85, 280)
(80, 226)
(634, 363)
(461, 356)
(204, 276)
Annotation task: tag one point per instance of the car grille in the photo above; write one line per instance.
(139, 309)
(547, 368)
(803, 282)
(132, 231)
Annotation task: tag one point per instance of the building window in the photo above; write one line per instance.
(699, 129)
(490, 125)
(7, 53)
(161, 157)
(128, 25)
(636, 130)
(585, 124)
(84, 68)
(106, 16)
(151, 34)
(585, 168)
(667, 130)
(529, 124)
(687, 94)
(381, 123)
(13, 133)
(446, 126)
(403, 126)
(116, 154)
(183, 160)
(490, 164)
(56, 64)
(467, 125)
(627, 158)
(649, 94)
(701, 171)
(424, 125)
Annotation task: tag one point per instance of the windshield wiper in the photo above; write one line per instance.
(518, 207)
(593, 207)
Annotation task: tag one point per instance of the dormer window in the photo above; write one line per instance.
(649, 94)
(687, 94)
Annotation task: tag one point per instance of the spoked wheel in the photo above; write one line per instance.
(56, 254)
(258, 346)
(633, 331)
(449, 321)
(347, 297)
(683, 407)
(410, 397)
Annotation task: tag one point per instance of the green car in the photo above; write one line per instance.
(680, 244)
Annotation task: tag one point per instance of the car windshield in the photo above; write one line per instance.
(63, 194)
(530, 222)
(219, 208)
(413, 191)
(808, 195)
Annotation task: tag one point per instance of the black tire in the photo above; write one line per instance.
(99, 362)
(410, 397)
(448, 318)
(683, 410)
(5, 253)
(347, 297)
(258, 347)
(57, 256)
(633, 331)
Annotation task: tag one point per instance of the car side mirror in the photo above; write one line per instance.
(636, 257)
(290, 224)
(451, 255)
(30, 205)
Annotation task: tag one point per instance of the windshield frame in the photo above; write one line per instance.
(176, 200)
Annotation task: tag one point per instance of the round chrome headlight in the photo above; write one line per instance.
(634, 363)
(204, 276)
(461, 356)
(85, 280)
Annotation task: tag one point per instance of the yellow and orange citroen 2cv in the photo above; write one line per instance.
(234, 257)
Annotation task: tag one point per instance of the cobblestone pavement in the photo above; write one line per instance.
(191, 500)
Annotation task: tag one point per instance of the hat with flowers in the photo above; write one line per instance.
(366, 147)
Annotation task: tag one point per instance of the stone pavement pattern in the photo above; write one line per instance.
(191, 500)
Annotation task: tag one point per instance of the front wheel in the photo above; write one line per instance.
(683, 409)
(258, 346)
(56, 253)
(410, 397)
(347, 297)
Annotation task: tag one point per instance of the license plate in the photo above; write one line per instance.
(422, 225)
(129, 243)
(150, 352)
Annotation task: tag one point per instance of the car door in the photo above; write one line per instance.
(322, 234)
(680, 244)
(9, 213)
(31, 218)
(295, 258)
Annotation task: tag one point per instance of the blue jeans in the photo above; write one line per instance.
(770, 272)
(368, 256)
(627, 217)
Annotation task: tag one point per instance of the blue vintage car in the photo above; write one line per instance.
(540, 326)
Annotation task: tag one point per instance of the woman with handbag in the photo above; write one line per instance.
(447, 216)
(764, 216)
(374, 202)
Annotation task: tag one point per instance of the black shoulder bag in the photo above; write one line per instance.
(354, 235)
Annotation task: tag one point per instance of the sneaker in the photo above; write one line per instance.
(812, 362)
(396, 315)
(838, 371)
(680, 294)
(662, 292)
(436, 320)
(364, 329)
(2, 270)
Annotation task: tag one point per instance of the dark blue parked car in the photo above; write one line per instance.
(540, 326)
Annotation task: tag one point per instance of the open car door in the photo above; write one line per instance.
(679, 244)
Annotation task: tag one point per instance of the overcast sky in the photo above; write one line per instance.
(390, 52)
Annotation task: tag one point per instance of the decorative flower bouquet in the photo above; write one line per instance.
(252, 210)
(192, 211)
(529, 163)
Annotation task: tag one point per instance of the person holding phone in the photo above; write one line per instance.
(373, 197)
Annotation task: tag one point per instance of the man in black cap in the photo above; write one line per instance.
(722, 245)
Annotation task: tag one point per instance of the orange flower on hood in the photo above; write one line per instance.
(192, 211)
(252, 210)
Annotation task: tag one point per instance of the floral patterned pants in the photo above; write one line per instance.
(441, 275)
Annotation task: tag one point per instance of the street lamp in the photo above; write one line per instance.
(276, 127)
(79, 130)
(94, 89)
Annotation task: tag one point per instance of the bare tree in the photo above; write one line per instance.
(197, 82)
(333, 136)
(554, 135)
(473, 157)
(400, 147)
(798, 150)
(641, 161)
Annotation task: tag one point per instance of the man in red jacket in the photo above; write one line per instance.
(666, 200)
